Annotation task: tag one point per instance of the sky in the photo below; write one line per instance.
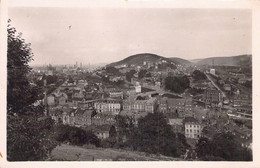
(105, 35)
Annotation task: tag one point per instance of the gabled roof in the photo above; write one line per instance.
(190, 120)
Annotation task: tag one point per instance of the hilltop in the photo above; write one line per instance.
(181, 61)
(241, 60)
(139, 59)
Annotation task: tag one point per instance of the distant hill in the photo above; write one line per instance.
(139, 59)
(181, 61)
(241, 60)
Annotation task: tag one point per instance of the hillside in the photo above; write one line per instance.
(139, 59)
(241, 60)
(74, 153)
(181, 61)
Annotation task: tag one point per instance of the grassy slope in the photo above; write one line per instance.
(75, 153)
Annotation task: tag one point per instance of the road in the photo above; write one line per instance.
(216, 86)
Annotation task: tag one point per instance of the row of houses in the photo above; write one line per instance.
(81, 117)
(134, 105)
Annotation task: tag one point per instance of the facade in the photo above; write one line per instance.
(147, 106)
(177, 124)
(193, 128)
(227, 87)
(103, 119)
(171, 105)
(242, 100)
(108, 105)
(116, 94)
(83, 117)
(212, 96)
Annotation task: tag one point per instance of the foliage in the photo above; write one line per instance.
(112, 70)
(29, 135)
(198, 75)
(142, 73)
(223, 145)
(177, 84)
(154, 135)
(248, 84)
(20, 93)
(75, 135)
(29, 138)
(129, 75)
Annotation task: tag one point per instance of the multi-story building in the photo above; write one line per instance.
(242, 100)
(212, 96)
(116, 94)
(193, 128)
(148, 106)
(103, 119)
(171, 105)
(108, 105)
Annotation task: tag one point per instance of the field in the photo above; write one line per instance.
(66, 152)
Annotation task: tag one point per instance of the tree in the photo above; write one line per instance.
(129, 75)
(142, 73)
(198, 75)
(177, 84)
(223, 146)
(154, 135)
(29, 134)
(20, 93)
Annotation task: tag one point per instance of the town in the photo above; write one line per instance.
(198, 100)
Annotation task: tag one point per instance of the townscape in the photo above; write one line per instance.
(198, 101)
(129, 84)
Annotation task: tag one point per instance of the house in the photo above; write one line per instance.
(134, 105)
(56, 114)
(150, 105)
(68, 116)
(102, 132)
(78, 93)
(175, 122)
(51, 100)
(242, 100)
(227, 87)
(103, 119)
(193, 128)
(171, 105)
(83, 117)
(212, 96)
(116, 94)
(108, 105)
(61, 99)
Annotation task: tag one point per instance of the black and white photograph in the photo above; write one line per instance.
(129, 84)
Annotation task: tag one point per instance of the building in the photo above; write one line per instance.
(212, 96)
(116, 94)
(212, 71)
(147, 106)
(242, 100)
(83, 117)
(227, 87)
(171, 105)
(103, 119)
(175, 122)
(108, 105)
(138, 89)
(193, 128)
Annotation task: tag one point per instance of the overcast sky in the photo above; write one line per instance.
(95, 35)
